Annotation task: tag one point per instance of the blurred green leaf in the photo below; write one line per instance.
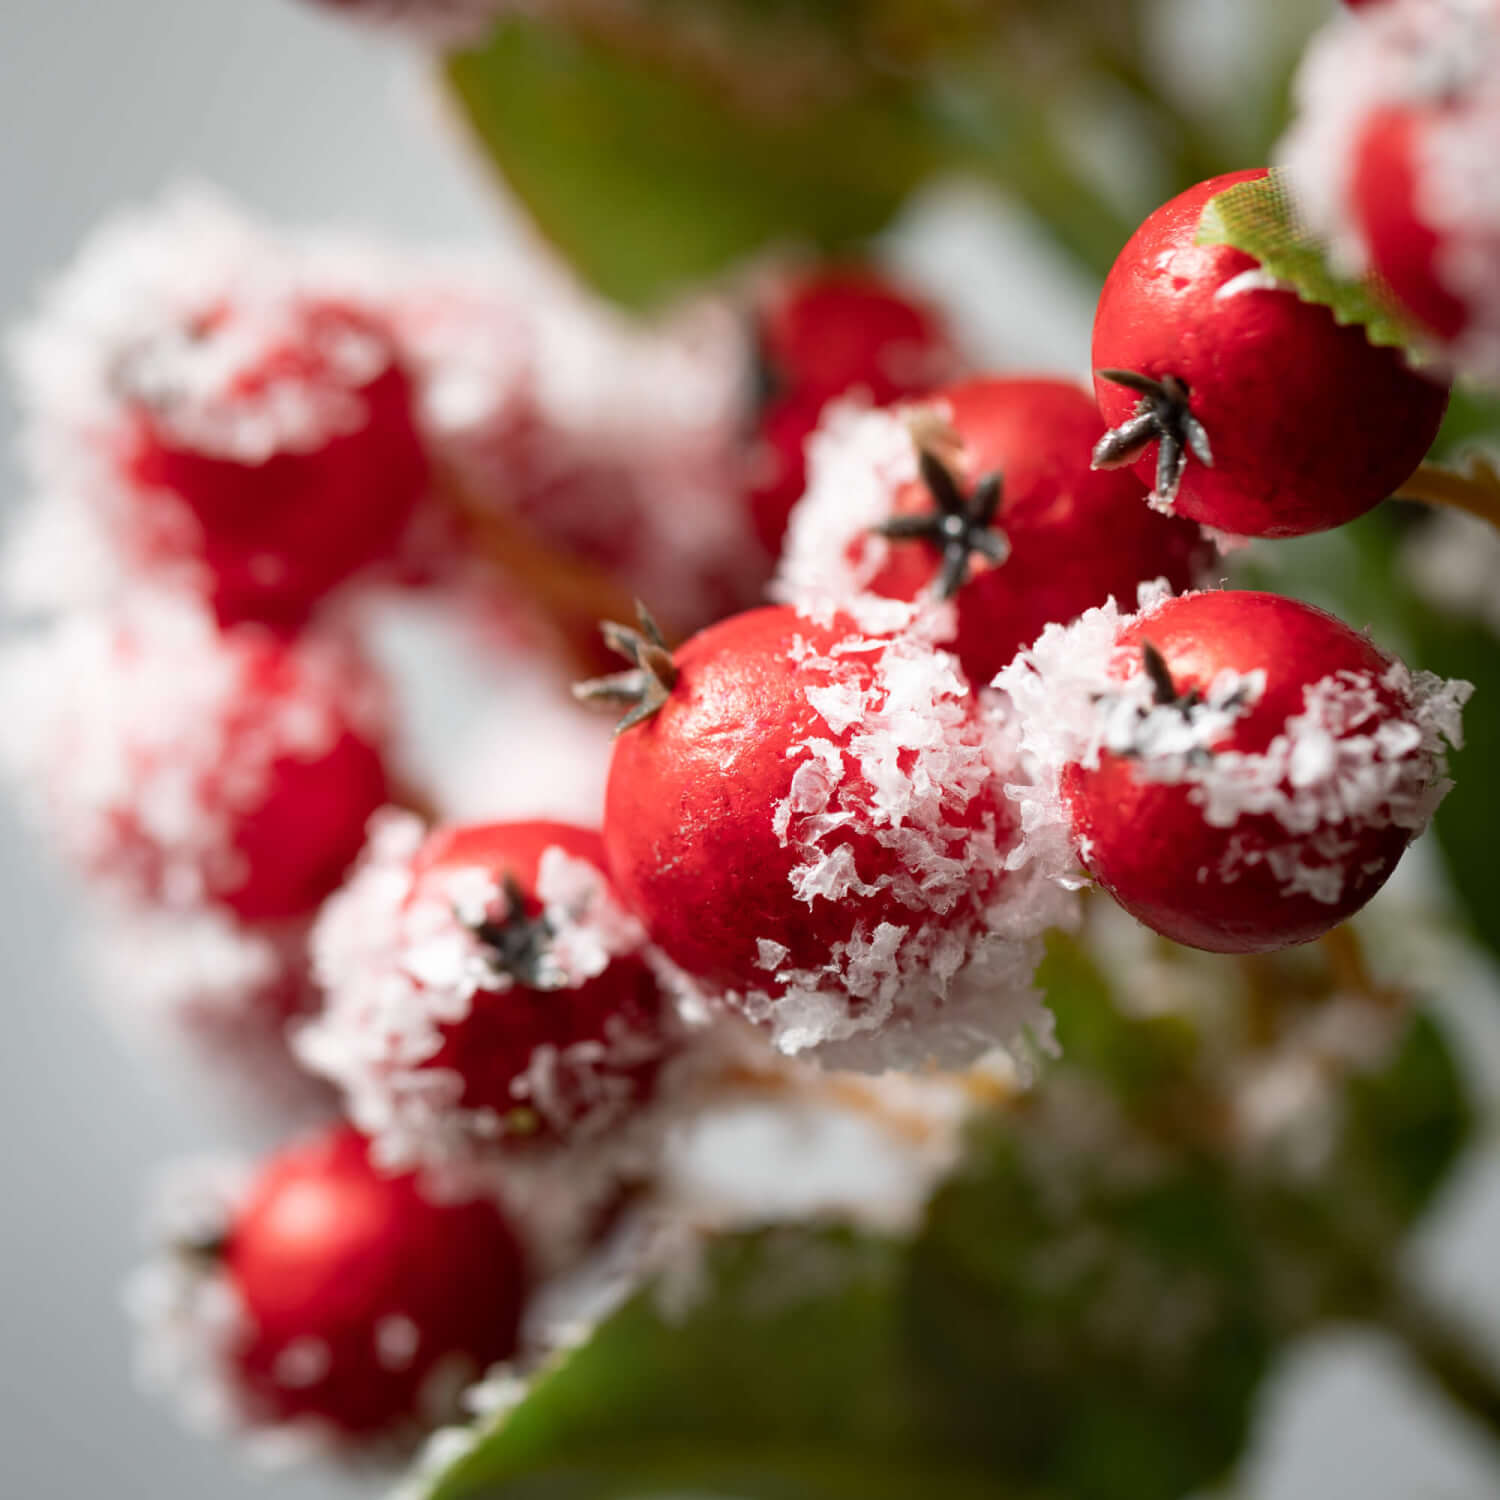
(1257, 217)
(1086, 1306)
(783, 1379)
(648, 178)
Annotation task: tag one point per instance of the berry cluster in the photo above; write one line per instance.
(834, 829)
(1391, 160)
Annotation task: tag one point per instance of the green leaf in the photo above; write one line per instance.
(648, 177)
(1258, 218)
(1087, 1306)
(784, 1379)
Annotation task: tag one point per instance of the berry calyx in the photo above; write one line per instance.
(984, 494)
(1297, 424)
(645, 686)
(1240, 771)
(360, 1305)
(484, 990)
(960, 527)
(813, 825)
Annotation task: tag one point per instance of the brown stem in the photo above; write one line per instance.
(1345, 952)
(1475, 490)
(1445, 1350)
(574, 595)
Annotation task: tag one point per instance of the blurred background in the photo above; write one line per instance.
(309, 122)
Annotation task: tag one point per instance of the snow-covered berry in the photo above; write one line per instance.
(236, 423)
(317, 1296)
(182, 763)
(1391, 159)
(812, 820)
(1239, 770)
(1250, 410)
(484, 988)
(985, 495)
(828, 332)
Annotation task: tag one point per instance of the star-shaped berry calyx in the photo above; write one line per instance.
(652, 674)
(1161, 416)
(960, 526)
(1163, 689)
(517, 945)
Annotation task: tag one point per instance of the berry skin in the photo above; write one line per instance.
(184, 764)
(1403, 248)
(1062, 536)
(812, 820)
(281, 464)
(1252, 411)
(845, 328)
(484, 989)
(357, 1289)
(835, 332)
(1240, 771)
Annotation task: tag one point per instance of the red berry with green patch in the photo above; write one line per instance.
(1250, 411)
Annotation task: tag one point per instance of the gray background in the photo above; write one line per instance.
(104, 101)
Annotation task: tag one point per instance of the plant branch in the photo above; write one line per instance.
(1474, 490)
(1445, 1351)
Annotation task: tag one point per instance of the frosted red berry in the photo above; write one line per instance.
(280, 459)
(1239, 770)
(187, 764)
(485, 989)
(985, 495)
(812, 820)
(1249, 410)
(361, 1303)
(1390, 161)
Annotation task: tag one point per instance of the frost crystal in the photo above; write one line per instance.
(148, 735)
(1442, 56)
(905, 761)
(401, 962)
(1344, 765)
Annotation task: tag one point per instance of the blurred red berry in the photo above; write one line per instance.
(365, 1303)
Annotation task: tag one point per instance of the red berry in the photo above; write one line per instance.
(838, 331)
(1240, 771)
(186, 763)
(778, 465)
(1254, 412)
(484, 987)
(846, 328)
(813, 820)
(360, 1304)
(1404, 249)
(1056, 538)
(287, 434)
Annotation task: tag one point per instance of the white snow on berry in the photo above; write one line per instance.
(1344, 765)
(147, 735)
(1441, 56)
(400, 961)
(903, 760)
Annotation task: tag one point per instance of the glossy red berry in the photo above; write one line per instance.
(1251, 411)
(484, 988)
(184, 764)
(1239, 770)
(360, 1303)
(812, 820)
(985, 495)
(838, 331)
